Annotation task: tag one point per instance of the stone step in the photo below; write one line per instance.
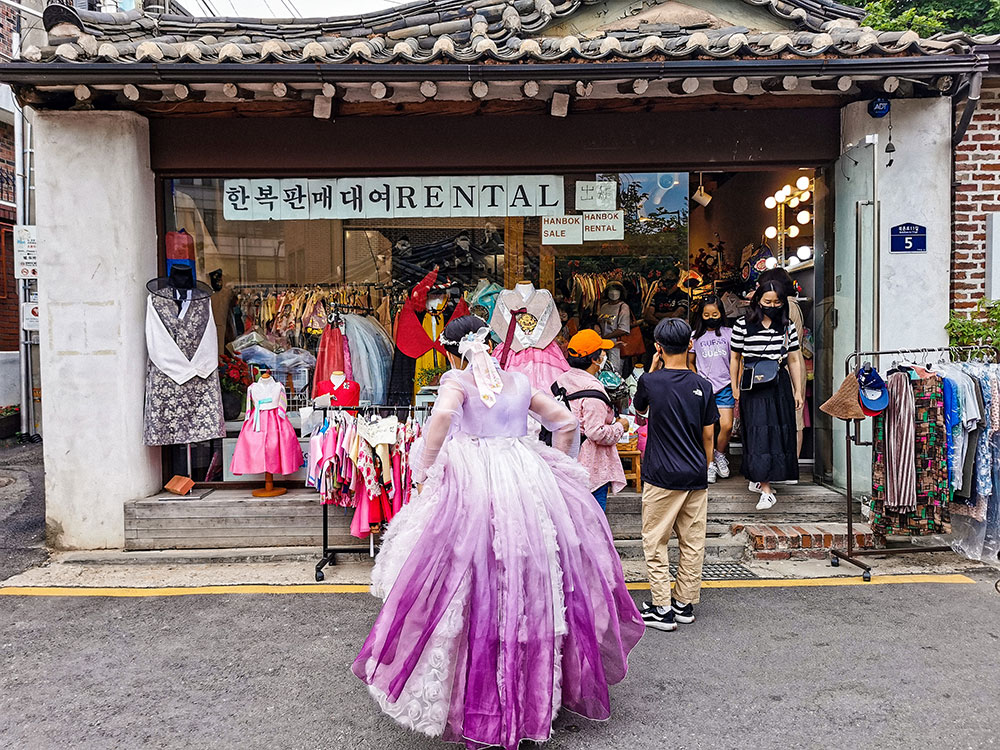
(724, 548)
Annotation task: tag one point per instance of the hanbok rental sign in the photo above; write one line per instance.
(392, 197)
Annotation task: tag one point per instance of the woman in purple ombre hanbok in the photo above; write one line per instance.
(504, 598)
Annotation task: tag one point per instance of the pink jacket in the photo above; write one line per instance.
(599, 452)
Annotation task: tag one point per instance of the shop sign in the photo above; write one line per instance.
(392, 197)
(29, 316)
(908, 238)
(596, 196)
(25, 251)
(603, 225)
(562, 230)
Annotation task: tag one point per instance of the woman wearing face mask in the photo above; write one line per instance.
(710, 356)
(615, 321)
(589, 402)
(767, 409)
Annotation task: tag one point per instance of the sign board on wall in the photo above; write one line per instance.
(603, 225)
(908, 238)
(392, 197)
(562, 230)
(25, 251)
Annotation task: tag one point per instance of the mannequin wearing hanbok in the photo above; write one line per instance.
(267, 441)
(533, 349)
(504, 596)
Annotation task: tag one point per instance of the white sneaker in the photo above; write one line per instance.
(711, 473)
(787, 481)
(721, 465)
(754, 487)
(767, 500)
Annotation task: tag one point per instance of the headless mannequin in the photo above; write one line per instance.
(525, 289)
(337, 378)
(268, 490)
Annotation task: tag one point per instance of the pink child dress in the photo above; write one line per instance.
(504, 596)
(267, 441)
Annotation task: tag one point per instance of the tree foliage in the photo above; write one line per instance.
(928, 17)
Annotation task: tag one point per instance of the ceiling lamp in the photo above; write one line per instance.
(771, 232)
(793, 231)
(803, 217)
(770, 203)
(700, 196)
(770, 263)
(793, 203)
(793, 262)
(802, 183)
(804, 253)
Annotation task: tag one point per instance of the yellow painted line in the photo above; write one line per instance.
(770, 583)
(350, 588)
(318, 588)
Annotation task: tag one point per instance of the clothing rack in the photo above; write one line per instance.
(851, 365)
(313, 285)
(328, 552)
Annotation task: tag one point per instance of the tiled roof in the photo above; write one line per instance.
(462, 31)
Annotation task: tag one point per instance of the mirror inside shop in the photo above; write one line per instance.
(337, 289)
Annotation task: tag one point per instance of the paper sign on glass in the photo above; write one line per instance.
(596, 196)
(603, 225)
(562, 230)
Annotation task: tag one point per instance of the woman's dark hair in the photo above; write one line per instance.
(673, 334)
(755, 313)
(699, 322)
(582, 363)
(779, 275)
(457, 329)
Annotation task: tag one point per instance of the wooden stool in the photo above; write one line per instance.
(630, 451)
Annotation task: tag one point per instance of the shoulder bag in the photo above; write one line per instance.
(758, 371)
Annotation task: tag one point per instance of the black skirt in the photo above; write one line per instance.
(767, 415)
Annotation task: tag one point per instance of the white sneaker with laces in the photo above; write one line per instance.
(721, 465)
(711, 473)
(767, 500)
(754, 487)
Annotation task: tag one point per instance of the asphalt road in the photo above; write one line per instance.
(22, 509)
(887, 666)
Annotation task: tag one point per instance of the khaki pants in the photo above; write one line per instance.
(684, 513)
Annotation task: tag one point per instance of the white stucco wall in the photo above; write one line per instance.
(914, 301)
(10, 378)
(97, 233)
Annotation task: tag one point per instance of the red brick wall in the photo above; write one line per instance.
(9, 322)
(977, 192)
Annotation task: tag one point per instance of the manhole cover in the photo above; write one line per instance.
(6, 481)
(723, 572)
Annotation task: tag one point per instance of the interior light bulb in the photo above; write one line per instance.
(793, 261)
(793, 203)
(771, 232)
(802, 183)
(806, 195)
(770, 202)
(787, 189)
(803, 217)
(770, 263)
(805, 252)
(793, 231)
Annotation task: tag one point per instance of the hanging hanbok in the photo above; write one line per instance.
(504, 596)
(267, 441)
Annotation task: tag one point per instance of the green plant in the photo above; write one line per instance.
(982, 327)
(430, 376)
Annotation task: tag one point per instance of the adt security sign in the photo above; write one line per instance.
(908, 238)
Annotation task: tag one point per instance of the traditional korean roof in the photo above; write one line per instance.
(473, 31)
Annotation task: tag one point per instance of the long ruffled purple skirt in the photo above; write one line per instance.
(504, 599)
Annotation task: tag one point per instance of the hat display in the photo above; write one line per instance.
(873, 396)
(844, 404)
(586, 342)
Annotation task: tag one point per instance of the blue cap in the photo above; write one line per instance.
(872, 393)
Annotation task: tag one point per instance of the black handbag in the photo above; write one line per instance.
(560, 394)
(760, 372)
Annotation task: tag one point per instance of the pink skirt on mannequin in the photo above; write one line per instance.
(542, 366)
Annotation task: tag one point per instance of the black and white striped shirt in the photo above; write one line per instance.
(757, 342)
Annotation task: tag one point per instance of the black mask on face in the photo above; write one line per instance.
(770, 309)
(712, 323)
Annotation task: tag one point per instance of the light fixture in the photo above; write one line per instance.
(804, 253)
(700, 196)
(806, 195)
(802, 183)
(770, 263)
(803, 217)
(770, 203)
(793, 261)
(771, 232)
(780, 196)
(787, 189)
(793, 231)
(793, 203)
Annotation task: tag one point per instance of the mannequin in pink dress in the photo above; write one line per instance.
(267, 443)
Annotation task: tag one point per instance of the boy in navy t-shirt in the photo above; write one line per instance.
(680, 446)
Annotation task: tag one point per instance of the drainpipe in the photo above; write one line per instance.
(975, 85)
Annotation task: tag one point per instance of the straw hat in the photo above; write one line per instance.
(844, 403)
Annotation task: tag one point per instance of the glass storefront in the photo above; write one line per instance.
(279, 279)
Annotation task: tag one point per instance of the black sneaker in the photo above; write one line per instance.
(659, 618)
(683, 614)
